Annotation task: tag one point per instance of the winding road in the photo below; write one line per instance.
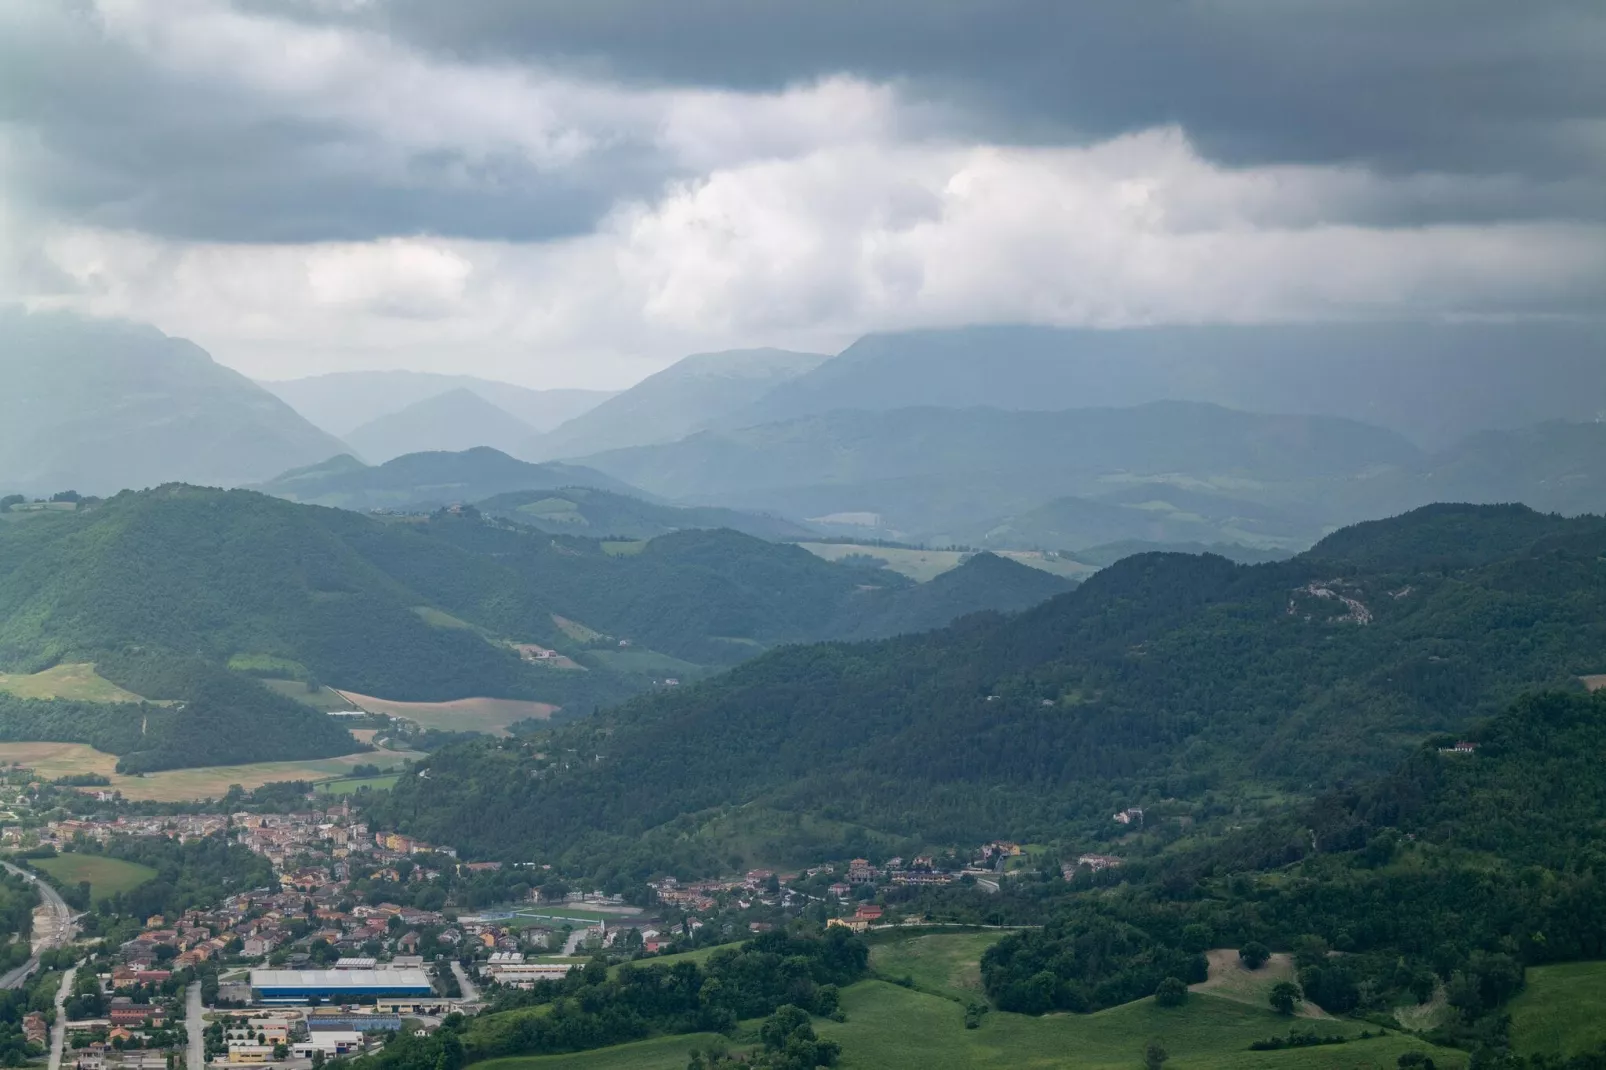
(58, 933)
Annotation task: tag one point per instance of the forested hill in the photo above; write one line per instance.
(420, 609)
(1163, 676)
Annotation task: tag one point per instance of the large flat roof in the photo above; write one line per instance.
(359, 980)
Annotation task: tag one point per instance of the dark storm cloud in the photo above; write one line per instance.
(1505, 100)
(1483, 86)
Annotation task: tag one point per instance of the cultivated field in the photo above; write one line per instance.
(491, 715)
(353, 785)
(923, 565)
(1559, 1012)
(1594, 683)
(106, 876)
(77, 681)
(51, 760)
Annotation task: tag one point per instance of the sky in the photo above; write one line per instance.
(576, 194)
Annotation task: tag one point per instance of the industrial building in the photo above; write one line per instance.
(337, 986)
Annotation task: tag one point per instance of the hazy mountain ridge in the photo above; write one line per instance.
(1434, 382)
(100, 405)
(429, 480)
(695, 392)
(340, 402)
(451, 422)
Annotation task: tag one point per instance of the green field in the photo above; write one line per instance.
(106, 876)
(893, 1028)
(642, 662)
(325, 698)
(1560, 1012)
(439, 618)
(942, 964)
(77, 681)
(352, 785)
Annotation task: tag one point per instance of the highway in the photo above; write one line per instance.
(58, 932)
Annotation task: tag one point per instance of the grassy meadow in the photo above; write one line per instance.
(919, 1024)
(77, 681)
(353, 785)
(106, 876)
(326, 699)
(1560, 1010)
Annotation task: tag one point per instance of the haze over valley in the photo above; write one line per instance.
(776, 536)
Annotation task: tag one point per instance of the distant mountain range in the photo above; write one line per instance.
(100, 405)
(1434, 383)
(341, 402)
(696, 392)
(947, 475)
(421, 481)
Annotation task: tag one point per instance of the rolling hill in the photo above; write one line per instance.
(422, 481)
(598, 513)
(691, 394)
(166, 591)
(100, 405)
(341, 402)
(450, 422)
(1162, 676)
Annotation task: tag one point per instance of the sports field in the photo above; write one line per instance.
(489, 715)
(106, 876)
(77, 681)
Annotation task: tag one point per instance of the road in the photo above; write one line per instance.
(470, 991)
(58, 1032)
(58, 932)
(195, 1023)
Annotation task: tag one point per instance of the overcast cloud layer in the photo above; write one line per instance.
(574, 194)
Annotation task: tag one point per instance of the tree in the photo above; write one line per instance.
(1155, 1056)
(1254, 954)
(1284, 994)
(1171, 992)
(9, 500)
(66, 496)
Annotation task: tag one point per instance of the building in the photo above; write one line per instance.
(332, 1042)
(338, 986)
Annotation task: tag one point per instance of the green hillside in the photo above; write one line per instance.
(166, 590)
(599, 513)
(1164, 676)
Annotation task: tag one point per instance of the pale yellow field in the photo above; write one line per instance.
(1594, 683)
(51, 760)
(491, 715)
(77, 681)
(1231, 979)
(923, 565)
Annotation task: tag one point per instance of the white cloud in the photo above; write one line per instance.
(801, 218)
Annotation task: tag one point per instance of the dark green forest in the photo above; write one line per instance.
(1164, 676)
